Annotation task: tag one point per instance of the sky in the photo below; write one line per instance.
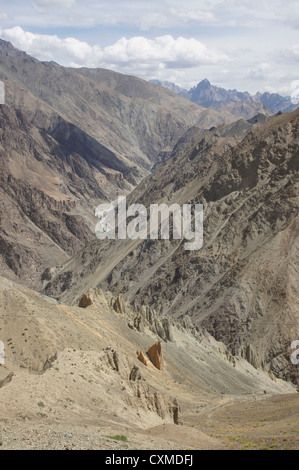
(248, 45)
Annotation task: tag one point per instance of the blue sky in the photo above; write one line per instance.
(247, 45)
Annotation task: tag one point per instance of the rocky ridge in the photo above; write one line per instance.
(208, 95)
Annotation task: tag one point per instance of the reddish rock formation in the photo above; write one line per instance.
(155, 355)
(85, 301)
(142, 357)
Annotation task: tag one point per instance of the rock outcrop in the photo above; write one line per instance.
(119, 305)
(155, 355)
(141, 357)
(143, 396)
(147, 317)
(167, 408)
(85, 301)
(6, 380)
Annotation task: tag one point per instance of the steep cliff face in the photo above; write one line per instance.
(242, 285)
(45, 187)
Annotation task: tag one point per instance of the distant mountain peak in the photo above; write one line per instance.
(170, 86)
(204, 83)
(275, 102)
(210, 96)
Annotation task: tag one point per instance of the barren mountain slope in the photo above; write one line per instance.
(131, 117)
(135, 128)
(133, 87)
(70, 140)
(54, 167)
(75, 372)
(243, 284)
(48, 190)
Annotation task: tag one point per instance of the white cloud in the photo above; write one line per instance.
(47, 47)
(295, 50)
(260, 72)
(180, 52)
(156, 13)
(289, 56)
(51, 3)
(194, 15)
(164, 51)
(227, 41)
(48, 8)
(171, 17)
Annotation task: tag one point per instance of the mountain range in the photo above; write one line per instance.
(211, 96)
(71, 139)
(125, 344)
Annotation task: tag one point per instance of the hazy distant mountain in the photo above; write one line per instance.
(173, 87)
(208, 95)
(275, 102)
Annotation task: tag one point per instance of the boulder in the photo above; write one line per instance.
(85, 301)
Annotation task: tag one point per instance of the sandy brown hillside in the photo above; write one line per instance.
(72, 378)
(243, 284)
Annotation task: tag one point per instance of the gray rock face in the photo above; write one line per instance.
(148, 317)
(275, 102)
(208, 95)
